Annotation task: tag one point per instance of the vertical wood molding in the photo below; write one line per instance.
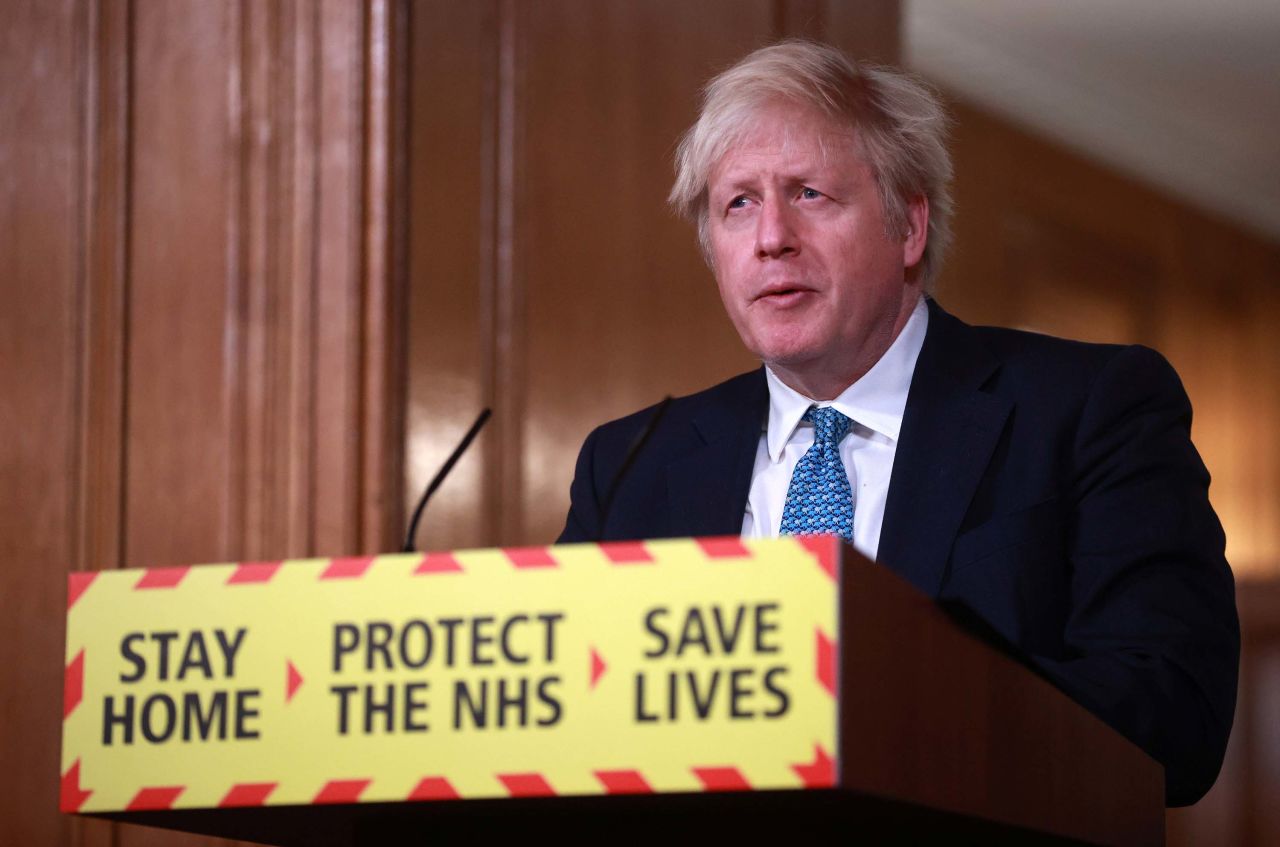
(357, 343)
(298, 208)
(259, 180)
(337, 300)
(322, 344)
(238, 332)
(268, 82)
(495, 37)
(103, 284)
(508, 313)
(104, 57)
(383, 339)
(376, 261)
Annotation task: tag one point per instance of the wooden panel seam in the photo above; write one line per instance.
(381, 343)
(508, 288)
(103, 336)
(302, 261)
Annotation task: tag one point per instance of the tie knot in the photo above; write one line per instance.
(829, 426)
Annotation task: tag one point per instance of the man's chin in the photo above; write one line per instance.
(782, 343)
(789, 359)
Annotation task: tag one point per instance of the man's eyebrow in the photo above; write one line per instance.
(731, 184)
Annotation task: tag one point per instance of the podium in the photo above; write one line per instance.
(935, 733)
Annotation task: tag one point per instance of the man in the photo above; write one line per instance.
(1048, 487)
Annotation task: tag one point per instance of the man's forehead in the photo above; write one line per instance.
(783, 139)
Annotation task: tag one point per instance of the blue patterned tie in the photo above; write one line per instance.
(819, 499)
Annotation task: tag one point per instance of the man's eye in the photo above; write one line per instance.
(807, 193)
(738, 202)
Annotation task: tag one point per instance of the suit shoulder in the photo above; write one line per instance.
(732, 394)
(1015, 344)
(1066, 362)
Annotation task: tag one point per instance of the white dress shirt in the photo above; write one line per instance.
(875, 404)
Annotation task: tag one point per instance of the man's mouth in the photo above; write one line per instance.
(782, 295)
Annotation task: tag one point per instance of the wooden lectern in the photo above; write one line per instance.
(941, 738)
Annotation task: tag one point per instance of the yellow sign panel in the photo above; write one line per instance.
(685, 665)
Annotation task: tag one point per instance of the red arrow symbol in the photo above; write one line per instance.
(598, 667)
(293, 681)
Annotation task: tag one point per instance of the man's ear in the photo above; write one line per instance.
(917, 234)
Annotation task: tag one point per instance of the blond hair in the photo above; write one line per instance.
(900, 126)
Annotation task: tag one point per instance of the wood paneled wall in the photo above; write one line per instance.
(201, 347)
(547, 279)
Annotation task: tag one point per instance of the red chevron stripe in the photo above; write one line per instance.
(820, 773)
(526, 785)
(624, 782)
(350, 567)
(70, 795)
(77, 584)
(247, 794)
(826, 548)
(253, 572)
(826, 663)
(626, 552)
(531, 557)
(722, 779)
(729, 547)
(73, 685)
(341, 791)
(153, 799)
(438, 563)
(433, 788)
(162, 577)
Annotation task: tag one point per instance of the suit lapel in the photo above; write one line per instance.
(949, 431)
(708, 488)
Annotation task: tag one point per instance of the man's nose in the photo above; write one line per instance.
(775, 232)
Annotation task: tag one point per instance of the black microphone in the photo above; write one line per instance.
(627, 462)
(411, 536)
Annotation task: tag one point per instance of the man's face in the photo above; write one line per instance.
(812, 281)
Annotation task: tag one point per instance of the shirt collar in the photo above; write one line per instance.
(877, 401)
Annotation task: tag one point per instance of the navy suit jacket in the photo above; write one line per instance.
(1047, 487)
